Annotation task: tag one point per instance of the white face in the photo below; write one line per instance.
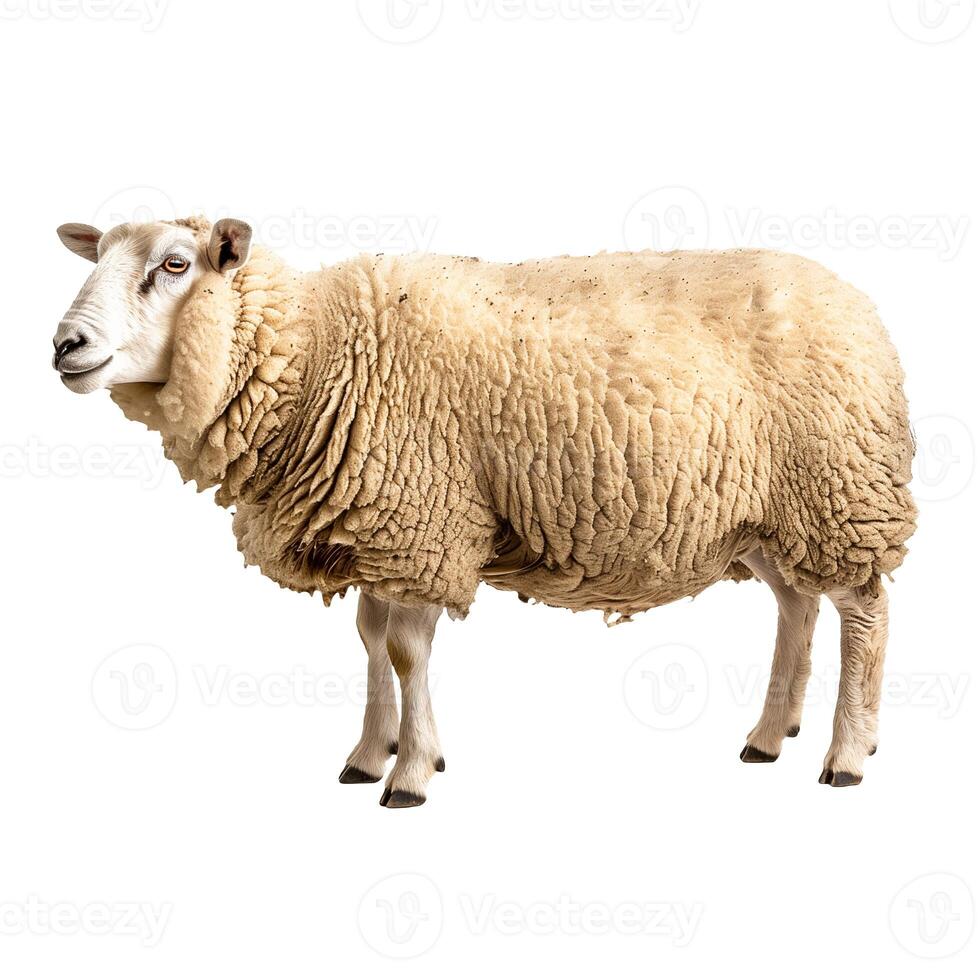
(121, 326)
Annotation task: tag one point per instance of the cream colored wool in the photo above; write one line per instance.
(597, 433)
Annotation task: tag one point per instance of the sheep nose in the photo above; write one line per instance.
(67, 346)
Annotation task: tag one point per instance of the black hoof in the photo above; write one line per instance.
(440, 764)
(351, 774)
(793, 732)
(831, 778)
(392, 748)
(751, 754)
(400, 798)
(874, 748)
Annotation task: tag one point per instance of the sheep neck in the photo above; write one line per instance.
(236, 377)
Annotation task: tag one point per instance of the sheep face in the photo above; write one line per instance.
(120, 328)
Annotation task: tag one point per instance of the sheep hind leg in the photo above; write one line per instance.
(410, 632)
(379, 734)
(783, 709)
(864, 632)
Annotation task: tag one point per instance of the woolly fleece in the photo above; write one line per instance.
(596, 433)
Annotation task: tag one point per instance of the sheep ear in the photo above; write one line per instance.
(230, 243)
(83, 240)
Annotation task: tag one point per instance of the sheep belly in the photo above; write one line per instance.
(626, 591)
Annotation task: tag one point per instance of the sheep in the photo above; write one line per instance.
(608, 433)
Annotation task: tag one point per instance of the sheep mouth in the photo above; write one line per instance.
(72, 378)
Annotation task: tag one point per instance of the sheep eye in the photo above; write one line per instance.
(175, 265)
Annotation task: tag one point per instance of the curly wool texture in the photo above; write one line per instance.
(597, 433)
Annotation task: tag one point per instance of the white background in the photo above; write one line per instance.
(583, 825)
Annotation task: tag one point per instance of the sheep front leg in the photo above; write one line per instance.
(864, 631)
(790, 673)
(379, 734)
(410, 632)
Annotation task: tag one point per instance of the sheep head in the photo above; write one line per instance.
(120, 328)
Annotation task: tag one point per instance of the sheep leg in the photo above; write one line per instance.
(864, 632)
(783, 709)
(410, 632)
(366, 763)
